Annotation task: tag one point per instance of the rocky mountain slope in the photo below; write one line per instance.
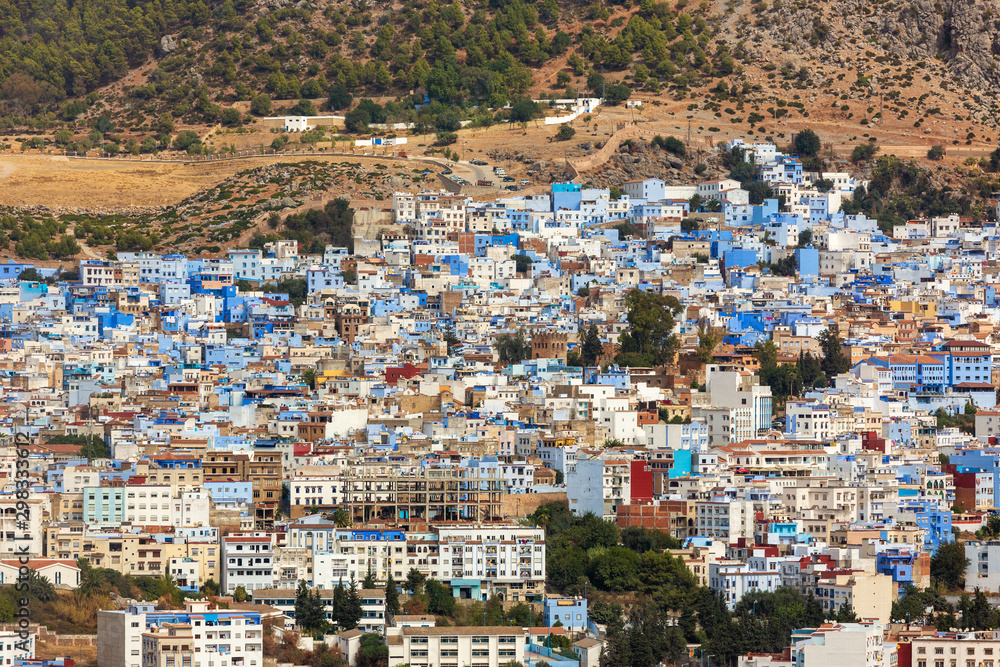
(953, 42)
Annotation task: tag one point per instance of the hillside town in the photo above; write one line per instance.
(480, 436)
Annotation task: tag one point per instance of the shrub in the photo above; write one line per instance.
(185, 139)
(863, 152)
(231, 116)
(260, 105)
(340, 97)
(670, 144)
(565, 133)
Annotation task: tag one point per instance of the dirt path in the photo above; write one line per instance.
(85, 249)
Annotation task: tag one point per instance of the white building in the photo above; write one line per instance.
(741, 390)
(842, 644)
(725, 519)
(297, 124)
(140, 636)
(247, 561)
(599, 486)
(19, 537)
(983, 570)
(13, 647)
(479, 562)
(650, 189)
(808, 420)
(347, 556)
(975, 648)
(487, 646)
(734, 579)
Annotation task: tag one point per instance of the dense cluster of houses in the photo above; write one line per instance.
(360, 421)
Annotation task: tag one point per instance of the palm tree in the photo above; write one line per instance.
(342, 518)
(93, 583)
(41, 588)
(543, 516)
(309, 377)
(169, 588)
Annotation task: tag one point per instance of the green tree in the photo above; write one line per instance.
(303, 107)
(708, 338)
(758, 192)
(910, 606)
(357, 120)
(440, 599)
(260, 105)
(231, 116)
(309, 377)
(864, 152)
(40, 587)
(338, 605)
(240, 594)
(979, 614)
(391, 594)
(185, 139)
(511, 348)
(565, 133)
(340, 97)
(740, 169)
(807, 143)
(592, 347)
(30, 275)
(369, 581)
(689, 225)
(352, 611)
(93, 582)
(650, 340)
(164, 124)
(617, 93)
(450, 338)
(372, 651)
(8, 608)
(670, 144)
(211, 587)
(810, 371)
(835, 361)
(991, 529)
(523, 111)
(948, 565)
(414, 581)
(310, 610)
(846, 614)
(616, 569)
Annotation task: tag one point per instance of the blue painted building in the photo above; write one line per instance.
(571, 612)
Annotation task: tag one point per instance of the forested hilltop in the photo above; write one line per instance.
(150, 67)
(194, 60)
